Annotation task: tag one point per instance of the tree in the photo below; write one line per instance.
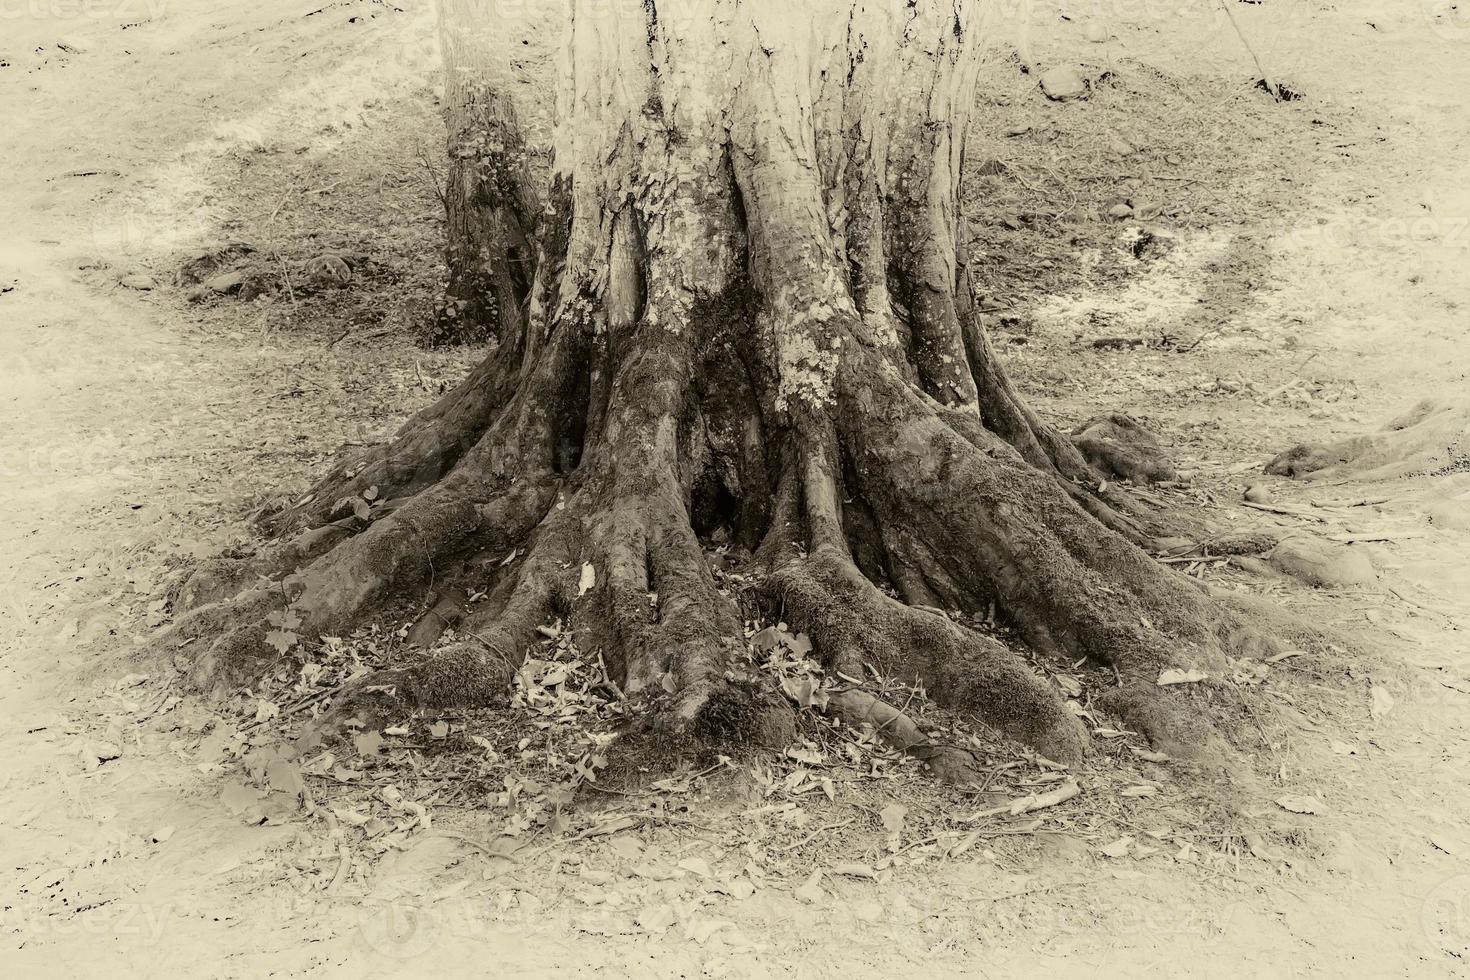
(490, 202)
(751, 315)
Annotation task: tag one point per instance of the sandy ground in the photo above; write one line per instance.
(135, 428)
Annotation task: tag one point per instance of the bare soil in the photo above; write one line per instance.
(1288, 272)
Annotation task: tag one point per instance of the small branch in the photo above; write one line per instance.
(286, 277)
(433, 175)
(344, 865)
(1271, 86)
(1361, 502)
(1289, 512)
(815, 834)
(301, 705)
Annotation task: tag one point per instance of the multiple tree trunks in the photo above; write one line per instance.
(751, 320)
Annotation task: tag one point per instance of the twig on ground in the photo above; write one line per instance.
(1360, 502)
(815, 834)
(344, 865)
(286, 277)
(1271, 85)
(293, 708)
(1380, 536)
(1288, 511)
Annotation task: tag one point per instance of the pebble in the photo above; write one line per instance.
(741, 889)
(1146, 209)
(1063, 83)
(101, 751)
(222, 284)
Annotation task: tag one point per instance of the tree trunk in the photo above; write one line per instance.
(489, 202)
(751, 317)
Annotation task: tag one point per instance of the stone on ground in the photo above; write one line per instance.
(1063, 83)
(1323, 564)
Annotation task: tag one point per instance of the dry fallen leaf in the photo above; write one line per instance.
(1382, 702)
(368, 743)
(696, 865)
(700, 930)
(350, 817)
(236, 796)
(963, 844)
(656, 918)
(1300, 804)
(284, 776)
(1173, 676)
(626, 846)
(1258, 849)
(1118, 848)
(855, 871)
(811, 892)
(589, 579)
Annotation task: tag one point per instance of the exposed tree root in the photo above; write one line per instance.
(858, 708)
(1118, 446)
(424, 449)
(753, 327)
(1431, 438)
(853, 623)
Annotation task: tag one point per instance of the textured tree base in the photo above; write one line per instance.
(950, 520)
(749, 324)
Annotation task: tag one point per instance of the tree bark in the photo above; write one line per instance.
(489, 199)
(751, 319)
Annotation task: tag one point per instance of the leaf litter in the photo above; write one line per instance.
(517, 789)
